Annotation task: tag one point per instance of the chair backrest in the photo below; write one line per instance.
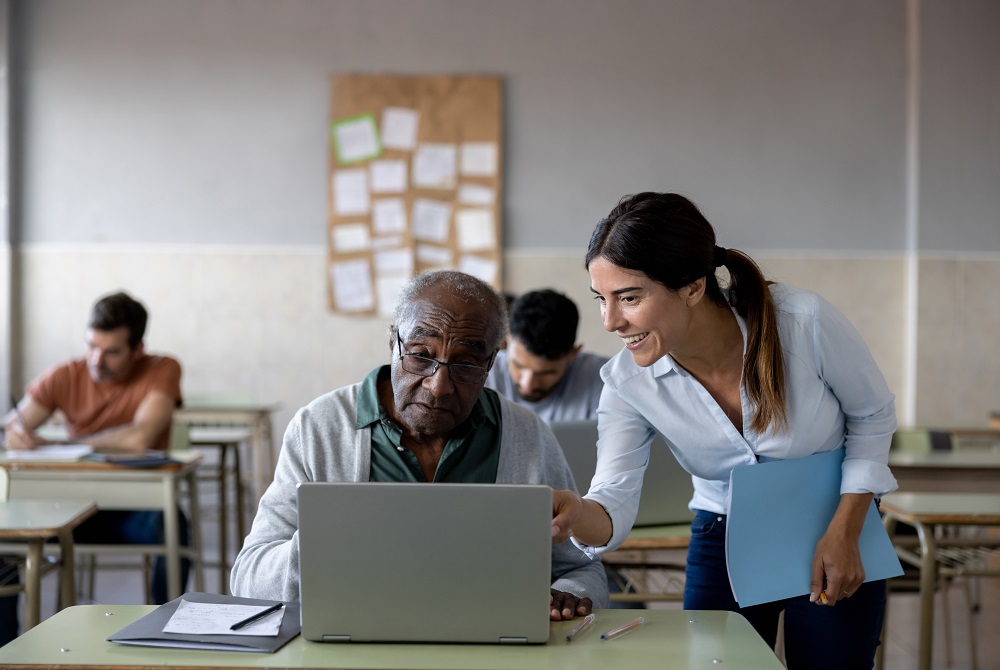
(914, 440)
(180, 436)
(4, 484)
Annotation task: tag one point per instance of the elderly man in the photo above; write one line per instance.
(424, 418)
(543, 367)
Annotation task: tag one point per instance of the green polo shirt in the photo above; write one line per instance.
(470, 456)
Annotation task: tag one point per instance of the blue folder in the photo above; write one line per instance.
(778, 511)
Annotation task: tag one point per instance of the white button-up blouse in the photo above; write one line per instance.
(835, 394)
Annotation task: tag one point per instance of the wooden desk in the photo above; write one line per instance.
(959, 471)
(632, 557)
(116, 487)
(925, 512)
(34, 522)
(257, 416)
(74, 638)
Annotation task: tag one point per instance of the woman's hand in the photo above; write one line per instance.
(837, 571)
(567, 506)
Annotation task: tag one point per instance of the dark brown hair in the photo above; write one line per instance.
(666, 237)
(120, 310)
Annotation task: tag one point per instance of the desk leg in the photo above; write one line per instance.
(263, 455)
(32, 583)
(67, 571)
(171, 528)
(928, 580)
(890, 529)
(197, 561)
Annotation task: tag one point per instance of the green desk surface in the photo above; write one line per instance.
(967, 458)
(974, 508)
(75, 637)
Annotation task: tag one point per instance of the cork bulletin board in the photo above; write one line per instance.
(415, 184)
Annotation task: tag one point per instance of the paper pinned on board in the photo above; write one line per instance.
(399, 128)
(350, 192)
(434, 166)
(352, 285)
(356, 139)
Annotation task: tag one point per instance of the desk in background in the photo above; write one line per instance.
(238, 412)
(958, 471)
(633, 558)
(927, 512)
(692, 639)
(33, 523)
(116, 487)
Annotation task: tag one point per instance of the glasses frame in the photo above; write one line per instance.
(439, 364)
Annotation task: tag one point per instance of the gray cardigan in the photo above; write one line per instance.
(322, 444)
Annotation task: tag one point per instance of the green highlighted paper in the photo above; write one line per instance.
(778, 512)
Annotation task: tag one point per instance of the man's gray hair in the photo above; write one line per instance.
(466, 287)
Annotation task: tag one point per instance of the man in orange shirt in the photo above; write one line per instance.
(117, 398)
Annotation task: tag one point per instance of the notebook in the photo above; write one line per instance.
(666, 486)
(395, 562)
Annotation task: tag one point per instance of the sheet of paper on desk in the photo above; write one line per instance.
(778, 511)
(217, 618)
(52, 452)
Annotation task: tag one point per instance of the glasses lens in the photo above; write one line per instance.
(419, 365)
(466, 374)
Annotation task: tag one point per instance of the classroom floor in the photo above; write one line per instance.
(125, 587)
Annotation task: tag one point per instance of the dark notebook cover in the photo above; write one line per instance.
(148, 631)
(142, 459)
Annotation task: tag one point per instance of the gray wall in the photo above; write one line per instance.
(177, 148)
(204, 121)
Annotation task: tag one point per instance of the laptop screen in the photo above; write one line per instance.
(395, 562)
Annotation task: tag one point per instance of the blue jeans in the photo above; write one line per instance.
(135, 527)
(843, 637)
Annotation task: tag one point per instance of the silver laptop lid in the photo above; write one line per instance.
(394, 562)
(666, 486)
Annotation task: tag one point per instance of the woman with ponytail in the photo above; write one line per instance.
(730, 375)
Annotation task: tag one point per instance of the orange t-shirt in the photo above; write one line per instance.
(91, 406)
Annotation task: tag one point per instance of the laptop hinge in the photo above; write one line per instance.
(513, 640)
(336, 638)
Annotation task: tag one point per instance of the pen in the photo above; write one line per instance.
(13, 402)
(624, 628)
(257, 617)
(580, 627)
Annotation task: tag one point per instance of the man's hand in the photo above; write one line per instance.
(564, 606)
(567, 506)
(18, 438)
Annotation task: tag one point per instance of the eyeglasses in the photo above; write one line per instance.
(426, 367)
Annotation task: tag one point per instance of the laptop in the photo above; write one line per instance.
(395, 562)
(666, 486)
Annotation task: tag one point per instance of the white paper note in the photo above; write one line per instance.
(393, 261)
(388, 216)
(348, 237)
(434, 166)
(387, 242)
(350, 192)
(429, 254)
(215, 619)
(479, 159)
(357, 139)
(483, 268)
(388, 176)
(352, 285)
(474, 194)
(430, 220)
(388, 288)
(51, 452)
(474, 228)
(399, 128)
